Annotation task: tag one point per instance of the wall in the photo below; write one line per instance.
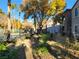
(75, 19)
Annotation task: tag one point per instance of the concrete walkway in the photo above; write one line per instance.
(25, 51)
(59, 38)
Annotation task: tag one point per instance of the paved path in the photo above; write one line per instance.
(59, 51)
(59, 38)
(21, 53)
(25, 51)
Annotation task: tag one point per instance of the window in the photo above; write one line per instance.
(77, 29)
(76, 12)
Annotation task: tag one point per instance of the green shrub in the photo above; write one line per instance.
(3, 51)
(43, 38)
(27, 36)
(41, 50)
(13, 54)
(4, 57)
(75, 47)
(3, 47)
(6, 53)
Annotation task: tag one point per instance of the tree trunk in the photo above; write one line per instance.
(9, 22)
(9, 9)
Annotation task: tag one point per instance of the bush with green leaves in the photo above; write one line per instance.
(27, 36)
(3, 51)
(13, 54)
(43, 38)
(6, 53)
(3, 47)
(76, 47)
(40, 50)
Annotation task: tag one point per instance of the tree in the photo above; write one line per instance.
(18, 24)
(0, 10)
(13, 6)
(56, 7)
(34, 7)
(40, 9)
(3, 22)
(9, 9)
(58, 18)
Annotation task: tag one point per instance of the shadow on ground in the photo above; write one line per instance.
(60, 53)
(21, 52)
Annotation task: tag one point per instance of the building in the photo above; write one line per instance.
(67, 22)
(53, 27)
(71, 20)
(75, 19)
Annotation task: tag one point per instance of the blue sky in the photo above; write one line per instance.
(70, 3)
(3, 6)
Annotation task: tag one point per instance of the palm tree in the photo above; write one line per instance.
(19, 15)
(13, 6)
(9, 9)
(18, 22)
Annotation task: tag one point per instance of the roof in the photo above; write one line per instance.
(75, 4)
(66, 12)
(72, 7)
(69, 10)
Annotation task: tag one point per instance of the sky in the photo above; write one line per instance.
(3, 6)
(70, 3)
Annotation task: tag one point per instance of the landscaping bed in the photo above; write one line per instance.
(68, 51)
(40, 50)
(7, 53)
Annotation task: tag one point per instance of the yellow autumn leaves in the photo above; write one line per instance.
(16, 24)
(56, 6)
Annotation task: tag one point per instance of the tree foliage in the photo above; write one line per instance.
(16, 24)
(13, 6)
(0, 10)
(56, 7)
(40, 9)
(44, 6)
